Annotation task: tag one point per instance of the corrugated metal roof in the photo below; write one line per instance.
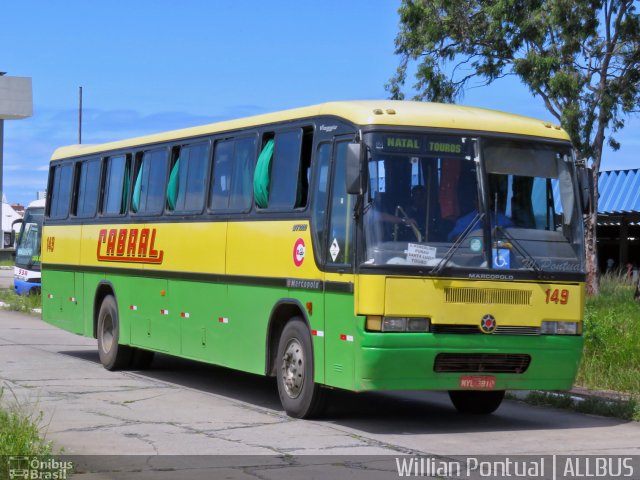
(619, 191)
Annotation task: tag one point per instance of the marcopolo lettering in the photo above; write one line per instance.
(128, 245)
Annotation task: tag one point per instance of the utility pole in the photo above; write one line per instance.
(80, 117)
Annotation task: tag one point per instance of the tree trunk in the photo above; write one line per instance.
(590, 243)
(593, 274)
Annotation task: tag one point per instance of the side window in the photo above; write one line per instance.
(88, 186)
(319, 211)
(149, 185)
(187, 180)
(341, 228)
(281, 178)
(60, 196)
(231, 185)
(221, 184)
(116, 189)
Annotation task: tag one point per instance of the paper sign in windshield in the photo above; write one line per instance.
(420, 254)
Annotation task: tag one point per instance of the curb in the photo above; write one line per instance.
(578, 394)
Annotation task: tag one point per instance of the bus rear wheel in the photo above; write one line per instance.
(113, 356)
(476, 402)
(300, 396)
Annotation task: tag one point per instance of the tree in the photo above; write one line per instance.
(581, 57)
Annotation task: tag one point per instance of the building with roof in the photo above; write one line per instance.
(619, 217)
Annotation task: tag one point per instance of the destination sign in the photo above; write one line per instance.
(439, 146)
(404, 143)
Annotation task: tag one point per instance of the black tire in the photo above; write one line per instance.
(141, 359)
(476, 402)
(113, 356)
(300, 396)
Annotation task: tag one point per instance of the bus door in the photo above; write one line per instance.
(340, 321)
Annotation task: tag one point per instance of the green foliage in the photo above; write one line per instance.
(628, 409)
(20, 432)
(20, 303)
(612, 338)
(581, 58)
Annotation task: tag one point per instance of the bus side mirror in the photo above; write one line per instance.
(353, 176)
(585, 183)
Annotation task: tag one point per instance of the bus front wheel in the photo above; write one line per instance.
(476, 402)
(113, 356)
(300, 396)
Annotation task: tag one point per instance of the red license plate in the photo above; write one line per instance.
(477, 382)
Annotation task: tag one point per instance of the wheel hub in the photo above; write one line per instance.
(107, 334)
(293, 369)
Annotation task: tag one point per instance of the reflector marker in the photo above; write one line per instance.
(317, 333)
(133, 307)
(72, 299)
(184, 314)
(164, 312)
(223, 320)
(346, 338)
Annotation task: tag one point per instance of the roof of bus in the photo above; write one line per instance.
(360, 112)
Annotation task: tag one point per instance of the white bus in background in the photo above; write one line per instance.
(27, 268)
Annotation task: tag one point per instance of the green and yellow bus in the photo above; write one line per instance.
(367, 245)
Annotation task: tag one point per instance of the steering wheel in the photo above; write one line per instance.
(402, 215)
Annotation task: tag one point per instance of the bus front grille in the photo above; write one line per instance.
(487, 296)
(481, 363)
(475, 329)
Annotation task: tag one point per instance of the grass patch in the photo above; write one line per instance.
(626, 409)
(20, 430)
(611, 359)
(20, 303)
(22, 441)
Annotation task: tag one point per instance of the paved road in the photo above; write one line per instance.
(180, 407)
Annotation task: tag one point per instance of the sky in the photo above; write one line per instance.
(149, 66)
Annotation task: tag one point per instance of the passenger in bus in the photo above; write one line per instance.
(417, 211)
(463, 222)
(398, 223)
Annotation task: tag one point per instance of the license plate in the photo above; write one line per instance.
(477, 382)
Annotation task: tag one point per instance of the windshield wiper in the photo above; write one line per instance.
(461, 238)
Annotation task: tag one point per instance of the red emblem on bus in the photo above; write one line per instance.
(299, 252)
(488, 324)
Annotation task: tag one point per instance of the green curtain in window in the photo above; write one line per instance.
(172, 187)
(261, 176)
(137, 187)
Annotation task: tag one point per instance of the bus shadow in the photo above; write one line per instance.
(403, 413)
(233, 384)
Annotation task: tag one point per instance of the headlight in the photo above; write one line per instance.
(398, 324)
(561, 328)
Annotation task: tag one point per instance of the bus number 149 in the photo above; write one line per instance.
(557, 296)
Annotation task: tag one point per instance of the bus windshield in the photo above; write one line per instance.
(28, 248)
(429, 205)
